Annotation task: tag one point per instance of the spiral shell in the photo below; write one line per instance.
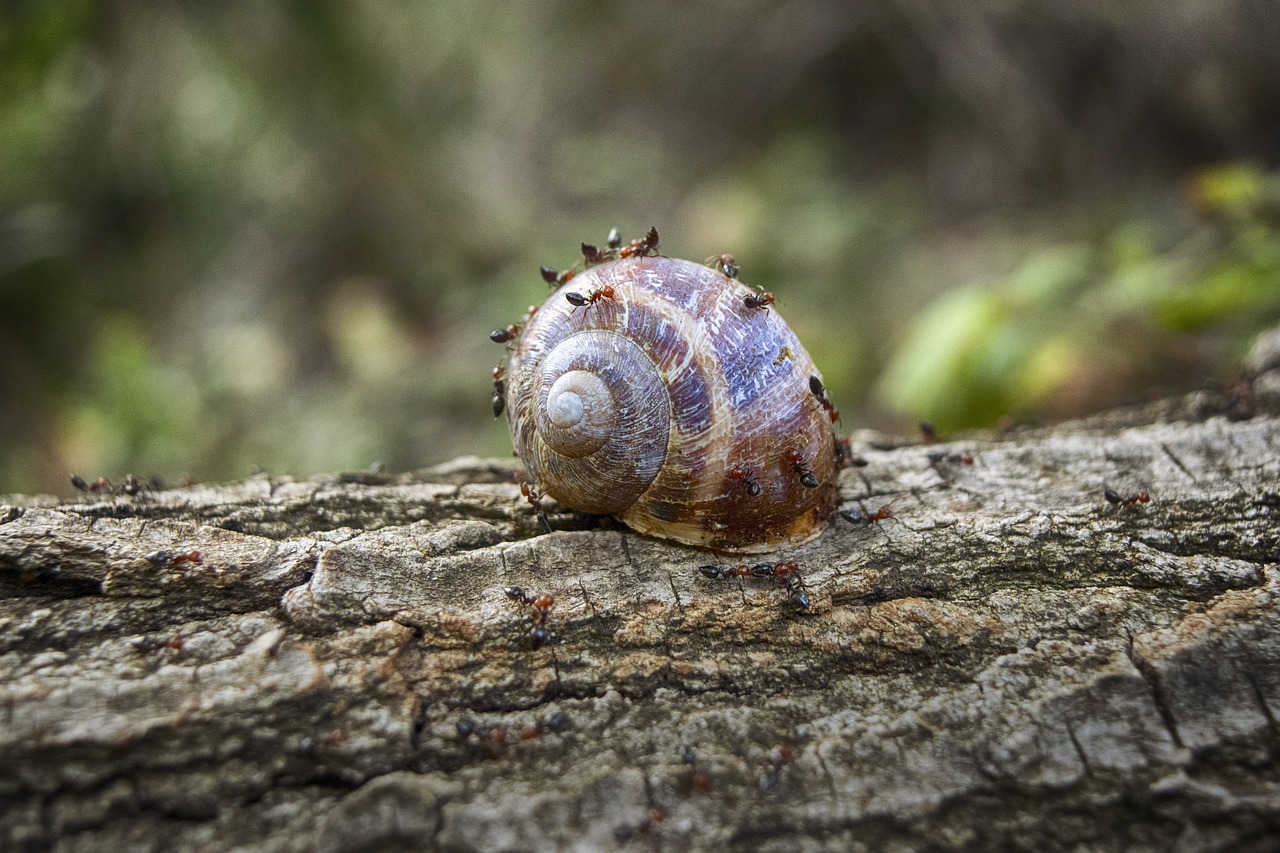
(674, 406)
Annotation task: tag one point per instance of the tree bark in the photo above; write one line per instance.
(1010, 662)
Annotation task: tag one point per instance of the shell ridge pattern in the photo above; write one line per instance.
(710, 420)
(681, 323)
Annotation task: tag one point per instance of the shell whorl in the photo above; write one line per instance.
(659, 405)
(601, 413)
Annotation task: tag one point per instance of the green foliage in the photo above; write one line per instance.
(1122, 305)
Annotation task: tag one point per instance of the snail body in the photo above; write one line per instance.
(673, 404)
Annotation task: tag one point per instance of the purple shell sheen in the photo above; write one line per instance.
(675, 407)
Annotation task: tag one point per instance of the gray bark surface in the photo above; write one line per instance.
(1011, 663)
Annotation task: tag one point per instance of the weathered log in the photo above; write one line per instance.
(1011, 662)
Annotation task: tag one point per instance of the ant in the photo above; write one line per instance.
(580, 301)
(845, 457)
(859, 516)
(132, 485)
(641, 247)
(928, 432)
(783, 354)
(624, 832)
(699, 780)
(541, 605)
(162, 558)
(98, 486)
(815, 385)
(725, 264)
(552, 277)
(747, 478)
(499, 391)
(786, 573)
(501, 336)
(1119, 503)
(955, 458)
(534, 497)
(758, 300)
(592, 256)
(794, 458)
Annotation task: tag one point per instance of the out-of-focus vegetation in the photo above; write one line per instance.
(239, 236)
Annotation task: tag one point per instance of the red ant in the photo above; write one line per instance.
(550, 276)
(501, 336)
(786, 573)
(758, 300)
(132, 485)
(98, 486)
(725, 264)
(794, 458)
(640, 247)
(169, 558)
(815, 385)
(955, 458)
(624, 832)
(859, 516)
(746, 478)
(534, 497)
(845, 457)
(1119, 503)
(499, 391)
(592, 256)
(580, 301)
(541, 605)
(928, 432)
(700, 780)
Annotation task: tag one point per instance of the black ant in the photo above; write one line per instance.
(97, 487)
(786, 573)
(499, 391)
(1119, 503)
(541, 605)
(501, 336)
(624, 832)
(860, 516)
(816, 386)
(758, 300)
(552, 277)
(794, 458)
(845, 457)
(534, 497)
(699, 780)
(169, 558)
(725, 264)
(592, 256)
(641, 247)
(954, 458)
(746, 478)
(580, 301)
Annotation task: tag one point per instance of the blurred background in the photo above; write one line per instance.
(274, 236)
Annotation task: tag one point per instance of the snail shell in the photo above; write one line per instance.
(674, 407)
